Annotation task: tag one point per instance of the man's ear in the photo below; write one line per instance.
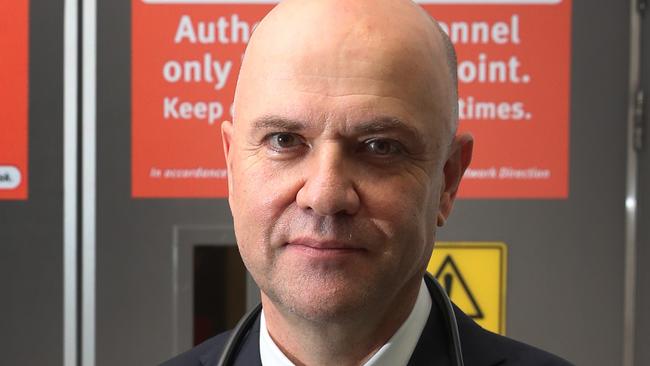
(226, 139)
(460, 155)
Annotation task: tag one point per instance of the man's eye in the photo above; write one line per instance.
(383, 147)
(283, 140)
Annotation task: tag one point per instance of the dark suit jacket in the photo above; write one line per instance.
(479, 347)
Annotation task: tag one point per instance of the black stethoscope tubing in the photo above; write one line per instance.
(439, 295)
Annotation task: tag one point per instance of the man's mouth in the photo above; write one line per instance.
(323, 248)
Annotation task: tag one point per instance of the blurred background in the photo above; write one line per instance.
(116, 242)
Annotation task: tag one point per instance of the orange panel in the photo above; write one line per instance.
(13, 99)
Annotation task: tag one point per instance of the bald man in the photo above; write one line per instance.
(343, 158)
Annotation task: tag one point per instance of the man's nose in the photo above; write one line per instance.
(329, 187)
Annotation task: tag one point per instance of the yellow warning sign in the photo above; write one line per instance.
(474, 276)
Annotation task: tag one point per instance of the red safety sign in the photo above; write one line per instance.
(513, 72)
(14, 43)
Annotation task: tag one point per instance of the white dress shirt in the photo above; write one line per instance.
(397, 351)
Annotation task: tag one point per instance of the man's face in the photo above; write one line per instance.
(336, 174)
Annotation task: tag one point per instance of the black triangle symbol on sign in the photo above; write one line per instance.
(448, 281)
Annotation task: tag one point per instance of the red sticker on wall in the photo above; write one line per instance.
(13, 99)
(514, 82)
(185, 62)
(514, 62)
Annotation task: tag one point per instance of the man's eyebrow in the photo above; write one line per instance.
(387, 124)
(278, 123)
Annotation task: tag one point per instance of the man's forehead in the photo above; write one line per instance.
(322, 33)
(337, 48)
(342, 101)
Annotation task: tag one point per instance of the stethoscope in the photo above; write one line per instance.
(438, 295)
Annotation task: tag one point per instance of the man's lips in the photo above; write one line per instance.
(320, 248)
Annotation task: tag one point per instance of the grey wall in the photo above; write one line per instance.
(565, 272)
(643, 243)
(31, 248)
(134, 236)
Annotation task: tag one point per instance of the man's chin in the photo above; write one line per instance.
(323, 305)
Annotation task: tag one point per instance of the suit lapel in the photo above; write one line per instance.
(248, 353)
(434, 345)
(477, 349)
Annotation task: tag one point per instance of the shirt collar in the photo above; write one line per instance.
(270, 353)
(397, 351)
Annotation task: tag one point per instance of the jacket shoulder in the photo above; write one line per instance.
(479, 345)
(193, 356)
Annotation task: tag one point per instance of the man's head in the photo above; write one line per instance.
(342, 156)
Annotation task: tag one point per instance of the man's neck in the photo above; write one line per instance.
(349, 341)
